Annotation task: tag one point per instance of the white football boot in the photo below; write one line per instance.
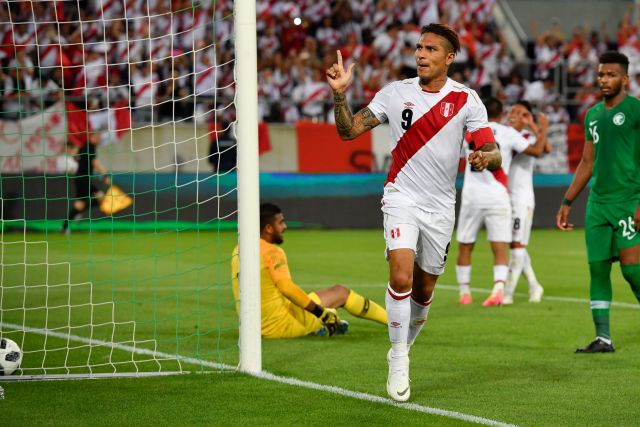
(398, 380)
(535, 294)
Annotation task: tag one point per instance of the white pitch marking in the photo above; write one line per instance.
(444, 287)
(263, 375)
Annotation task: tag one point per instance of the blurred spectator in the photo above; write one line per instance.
(268, 42)
(629, 41)
(21, 70)
(144, 85)
(388, 45)
(556, 112)
(426, 12)
(382, 17)
(514, 89)
(586, 97)
(634, 85)
(597, 43)
(311, 94)
(548, 52)
(268, 96)
(317, 11)
(485, 71)
(327, 35)
(541, 93)
(582, 64)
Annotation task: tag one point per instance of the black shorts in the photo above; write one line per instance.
(82, 180)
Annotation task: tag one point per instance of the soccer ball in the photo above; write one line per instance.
(10, 356)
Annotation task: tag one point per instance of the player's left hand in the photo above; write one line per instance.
(478, 160)
(562, 218)
(337, 76)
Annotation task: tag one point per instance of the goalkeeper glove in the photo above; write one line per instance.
(328, 317)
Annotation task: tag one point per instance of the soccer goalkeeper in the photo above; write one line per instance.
(287, 311)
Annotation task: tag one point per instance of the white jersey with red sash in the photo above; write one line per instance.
(489, 189)
(427, 131)
(521, 174)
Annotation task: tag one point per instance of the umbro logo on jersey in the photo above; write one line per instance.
(395, 325)
(409, 105)
(447, 109)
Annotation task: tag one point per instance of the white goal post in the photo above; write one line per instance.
(248, 186)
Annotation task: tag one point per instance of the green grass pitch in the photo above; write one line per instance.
(511, 364)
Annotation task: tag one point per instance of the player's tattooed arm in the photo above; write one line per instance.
(494, 157)
(351, 126)
(488, 156)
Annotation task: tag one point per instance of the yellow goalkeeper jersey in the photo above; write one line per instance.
(273, 268)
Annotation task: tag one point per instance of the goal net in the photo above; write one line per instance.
(119, 197)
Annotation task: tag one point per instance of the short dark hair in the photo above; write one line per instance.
(525, 104)
(493, 106)
(615, 57)
(268, 212)
(445, 32)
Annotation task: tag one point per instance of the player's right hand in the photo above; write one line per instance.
(337, 77)
(330, 320)
(562, 218)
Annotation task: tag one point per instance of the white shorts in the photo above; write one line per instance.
(428, 234)
(522, 217)
(497, 221)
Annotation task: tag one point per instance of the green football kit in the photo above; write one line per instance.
(613, 200)
(615, 186)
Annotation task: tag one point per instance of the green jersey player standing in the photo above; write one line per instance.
(611, 157)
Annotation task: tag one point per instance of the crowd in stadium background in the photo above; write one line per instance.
(168, 54)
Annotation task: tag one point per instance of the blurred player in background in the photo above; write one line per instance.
(523, 200)
(287, 311)
(90, 180)
(485, 200)
(611, 156)
(427, 116)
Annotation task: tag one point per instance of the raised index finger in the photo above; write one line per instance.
(339, 58)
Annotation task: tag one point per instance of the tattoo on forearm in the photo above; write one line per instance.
(493, 156)
(344, 119)
(350, 126)
(368, 119)
(494, 162)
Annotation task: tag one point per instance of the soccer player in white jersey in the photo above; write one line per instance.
(428, 116)
(485, 199)
(523, 200)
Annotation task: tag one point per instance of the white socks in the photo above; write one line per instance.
(419, 313)
(528, 271)
(500, 273)
(399, 315)
(516, 265)
(463, 275)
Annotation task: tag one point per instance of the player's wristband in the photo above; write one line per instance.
(317, 311)
(566, 202)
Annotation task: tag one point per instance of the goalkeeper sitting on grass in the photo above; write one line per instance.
(287, 311)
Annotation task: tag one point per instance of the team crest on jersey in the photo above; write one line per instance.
(409, 105)
(618, 119)
(395, 233)
(447, 109)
